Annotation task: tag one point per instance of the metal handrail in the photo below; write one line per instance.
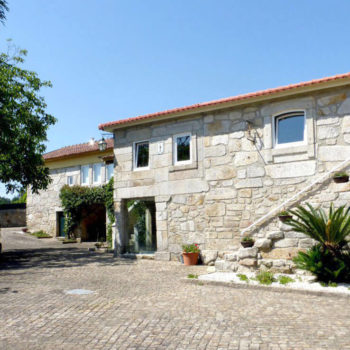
(279, 207)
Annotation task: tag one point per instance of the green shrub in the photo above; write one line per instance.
(329, 260)
(265, 277)
(340, 174)
(285, 279)
(324, 264)
(247, 239)
(191, 275)
(243, 277)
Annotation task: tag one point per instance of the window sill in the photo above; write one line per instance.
(142, 169)
(280, 151)
(180, 167)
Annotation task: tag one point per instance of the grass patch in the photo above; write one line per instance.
(243, 277)
(329, 284)
(265, 277)
(71, 240)
(192, 276)
(285, 280)
(40, 234)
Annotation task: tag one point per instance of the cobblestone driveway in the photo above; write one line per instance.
(144, 305)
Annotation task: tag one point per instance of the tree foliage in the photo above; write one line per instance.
(23, 125)
(3, 9)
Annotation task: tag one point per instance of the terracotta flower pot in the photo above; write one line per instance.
(190, 258)
(340, 179)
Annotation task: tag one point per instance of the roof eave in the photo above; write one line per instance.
(79, 155)
(228, 104)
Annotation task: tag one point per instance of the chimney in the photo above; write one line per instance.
(91, 141)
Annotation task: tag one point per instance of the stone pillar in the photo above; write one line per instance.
(120, 233)
(162, 228)
(148, 218)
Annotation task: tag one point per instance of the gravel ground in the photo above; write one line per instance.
(300, 282)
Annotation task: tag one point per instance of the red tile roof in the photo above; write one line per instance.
(267, 92)
(81, 148)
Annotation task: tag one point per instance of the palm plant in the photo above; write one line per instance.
(329, 260)
(329, 230)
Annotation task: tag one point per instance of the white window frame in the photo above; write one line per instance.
(286, 114)
(106, 171)
(81, 175)
(183, 162)
(93, 173)
(135, 155)
(72, 178)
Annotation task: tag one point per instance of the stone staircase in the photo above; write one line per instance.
(274, 252)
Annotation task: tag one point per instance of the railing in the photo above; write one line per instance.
(273, 212)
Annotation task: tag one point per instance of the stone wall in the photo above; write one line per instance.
(232, 180)
(42, 208)
(12, 217)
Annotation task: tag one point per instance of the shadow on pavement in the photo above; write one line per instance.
(57, 258)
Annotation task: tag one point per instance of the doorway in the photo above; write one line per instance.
(141, 226)
(93, 223)
(60, 224)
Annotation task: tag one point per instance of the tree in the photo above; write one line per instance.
(23, 125)
(3, 9)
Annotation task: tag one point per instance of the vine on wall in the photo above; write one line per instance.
(75, 198)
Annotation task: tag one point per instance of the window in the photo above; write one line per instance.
(97, 173)
(141, 154)
(290, 128)
(109, 171)
(182, 148)
(84, 175)
(70, 180)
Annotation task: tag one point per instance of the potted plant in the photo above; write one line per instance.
(247, 242)
(190, 253)
(284, 216)
(341, 177)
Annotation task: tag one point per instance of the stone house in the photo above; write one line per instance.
(81, 164)
(220, 170)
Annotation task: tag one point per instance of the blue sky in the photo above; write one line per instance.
(110, 59)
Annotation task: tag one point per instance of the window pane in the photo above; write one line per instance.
(183, 148)
(142, 154)
(290, 128)
(70, 180)
(97, 173)
(110, 168)
(85, 174)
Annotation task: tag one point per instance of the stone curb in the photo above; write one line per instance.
(266, 288)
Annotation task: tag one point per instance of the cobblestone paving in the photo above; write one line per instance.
(145, 305)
